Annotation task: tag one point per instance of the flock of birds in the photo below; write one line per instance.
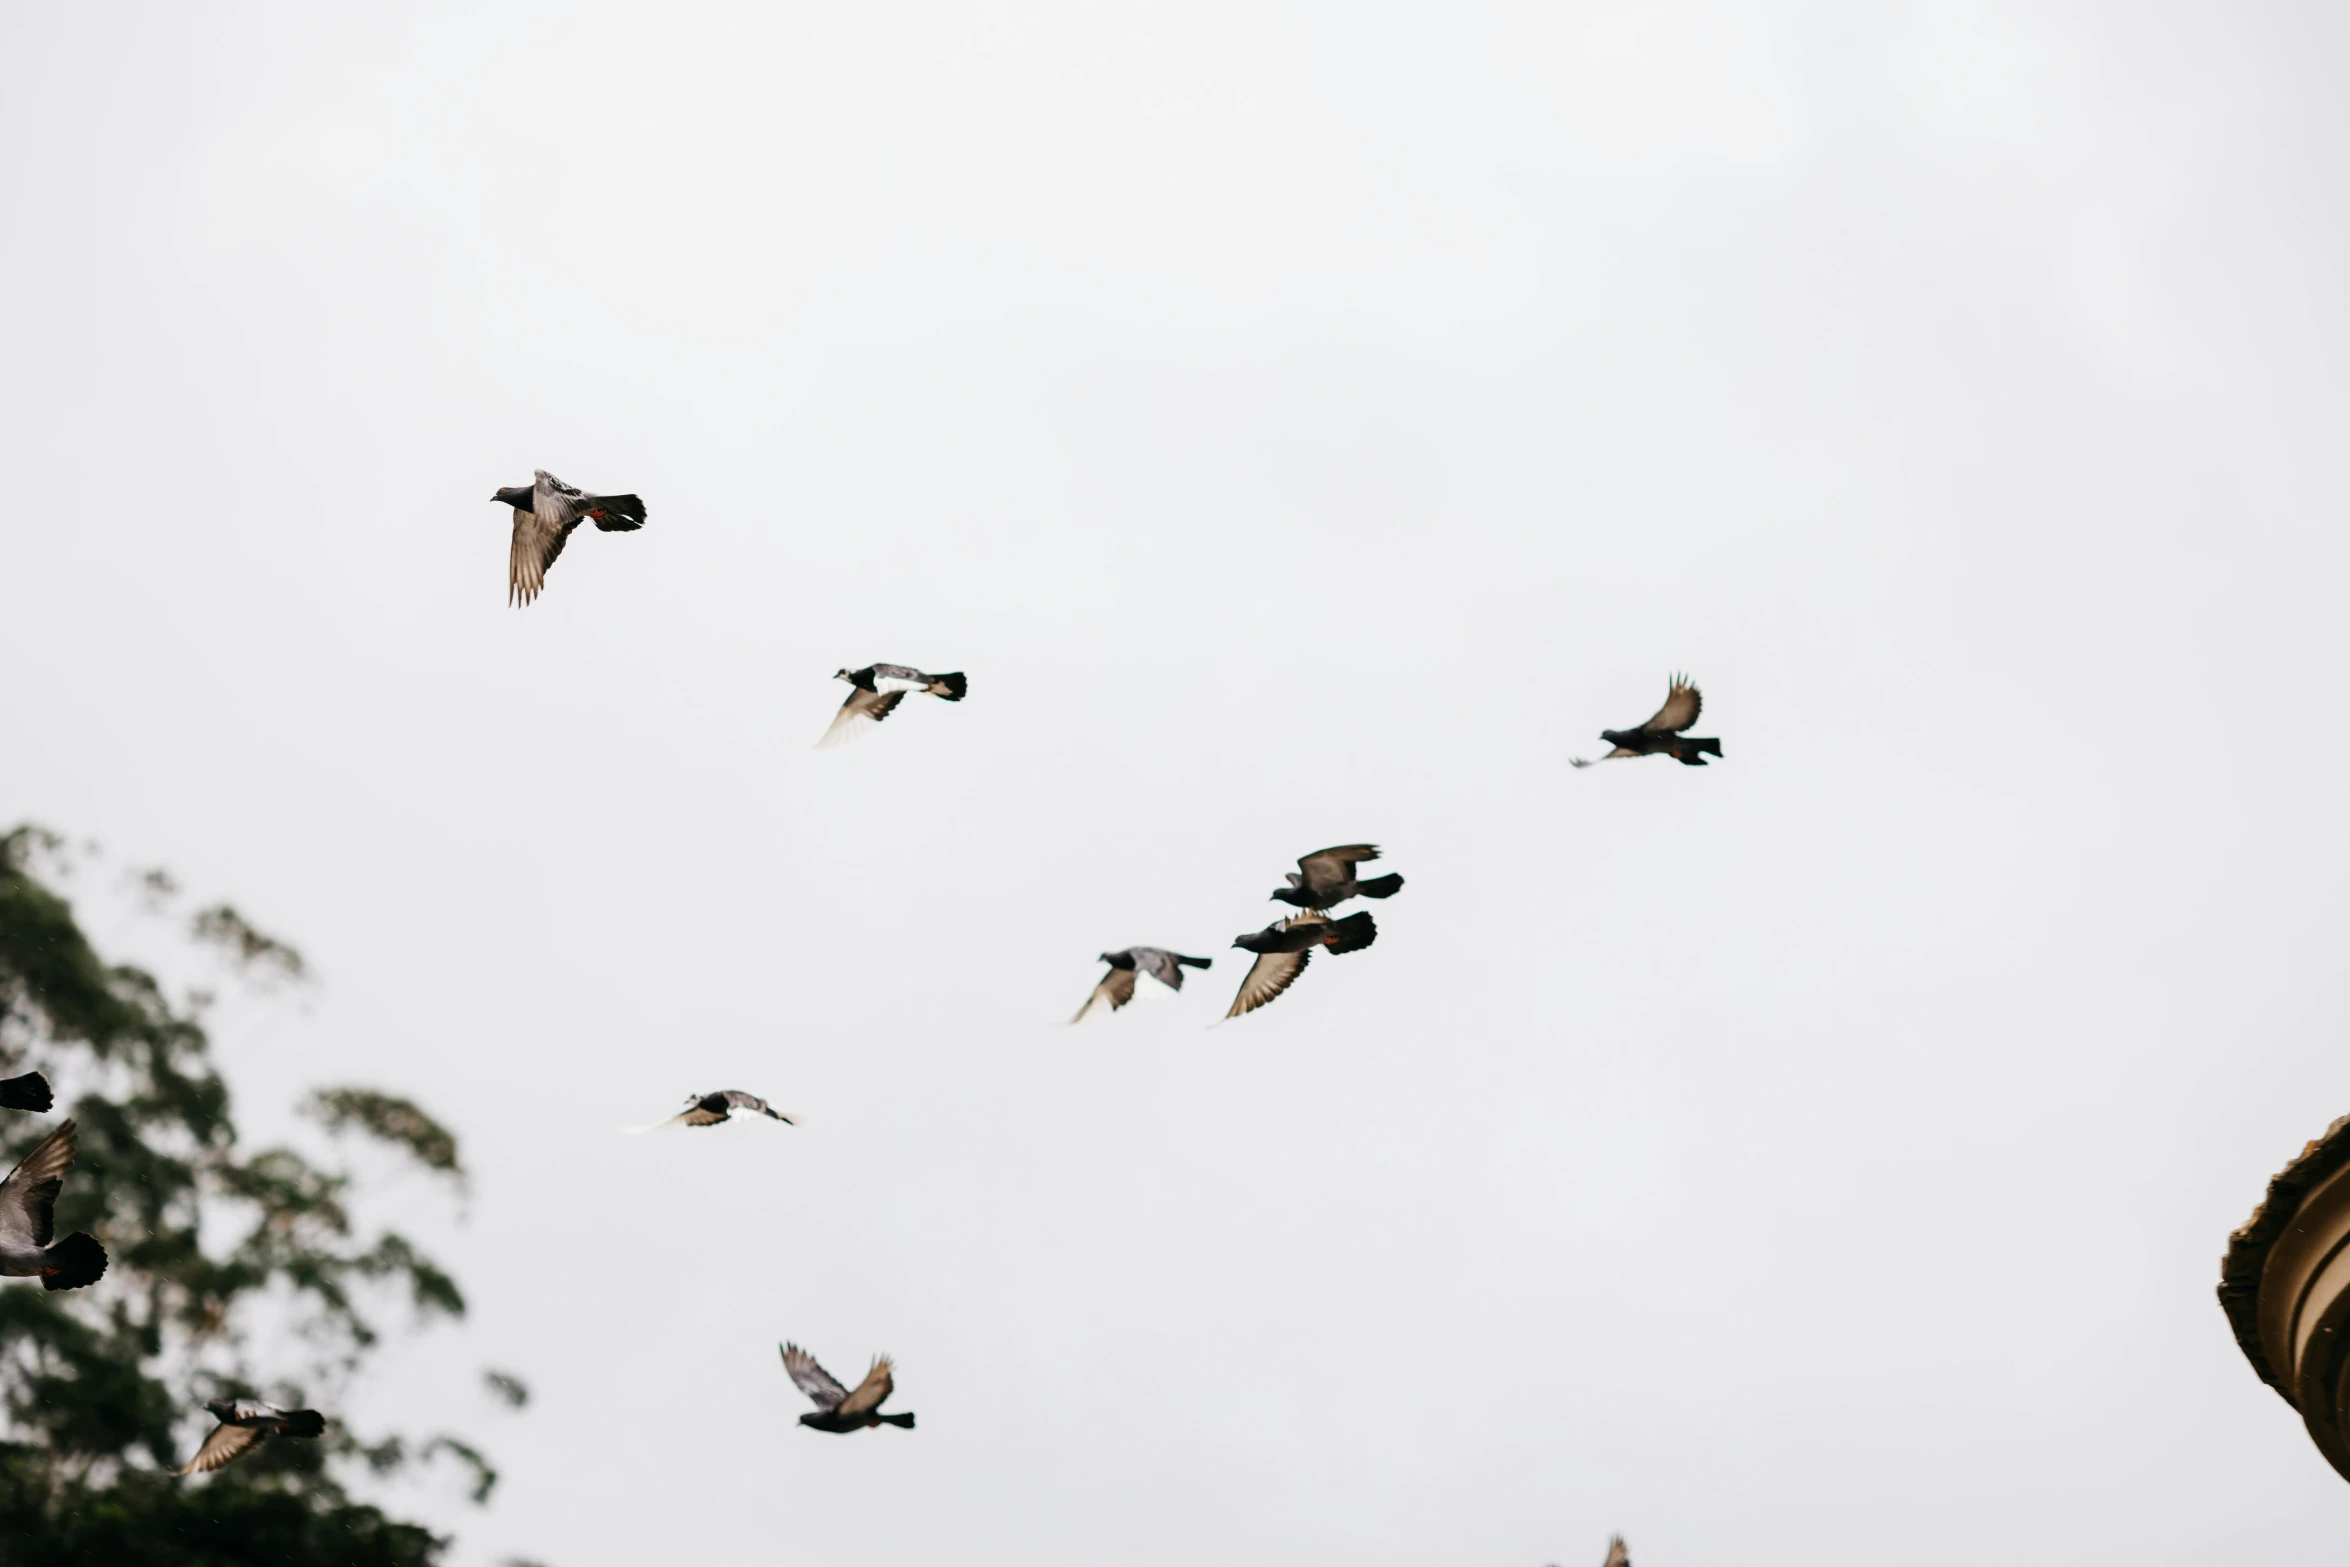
(546, 513)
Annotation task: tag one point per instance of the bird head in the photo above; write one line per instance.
(1293, 895)
(810, 1419)
(843, 674)
(221, 1408)
(513, 495)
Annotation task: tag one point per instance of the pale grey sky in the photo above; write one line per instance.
(1304, 423)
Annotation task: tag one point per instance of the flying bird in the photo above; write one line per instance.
(244, 1422)
(1283, 947)
(838, 1409)
(1117, 986)
(545, 512)
(1617, 1556)
(1327, 876)
(1662, 733)
(710, 1109)
(29, 1092)
(28, 1202)
(877, 690)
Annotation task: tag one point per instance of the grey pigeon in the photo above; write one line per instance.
(29, 1092)
(28, 1202)
(710, 1109)
(1117, 986)
(1326, 877)
(876, 691)
(1283, 947)
(245, 1421)
(545, 512)
(1663, 731)
(838, 1409)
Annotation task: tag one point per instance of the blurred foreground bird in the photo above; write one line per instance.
(1283, 947)
(29, 1092)
(879, 688)
(710, 1109)
(545, 512)
(838, 1409)
(1327, 877)
(1117, 986)
(245, 1421)
(28, 1202)
(1662, 732)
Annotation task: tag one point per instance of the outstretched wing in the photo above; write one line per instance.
(28, 1198)
(1585, 761)
(1682, 705)
(1326, 870)
(871, 1391)
(812, 1379)
(1617, 1556)
(225, 1443)
(1117, 988)
(737, 1099)
(1271, 974)
(859, 713)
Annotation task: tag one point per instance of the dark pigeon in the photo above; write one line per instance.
(545, 513)
(29, 1092)
(1662, 734)
(1327, 877)
(1283, 947)
(244, 1422)
(838, 1409)
(28, 1202)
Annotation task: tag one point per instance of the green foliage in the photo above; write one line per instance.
(213, 1249)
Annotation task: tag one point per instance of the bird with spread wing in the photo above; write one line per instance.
(546, 511)
(28, 1206)
(245, 1422)
(1326, 878)
(875, 692)
(710, 1109)
(1663, 733)
(837, 1408)
(1283, 947)
(1117, 986)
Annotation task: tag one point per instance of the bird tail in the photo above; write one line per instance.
(1712, 746)
(1691, 753)
(305, 1422)
(73, 1263)
(29, 1092)
(1195, 962)
(903, 1422)
(951, 687)
(1352, 934)
(617, 513)
(1380, 886)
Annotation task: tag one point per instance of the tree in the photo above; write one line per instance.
(232, 1272)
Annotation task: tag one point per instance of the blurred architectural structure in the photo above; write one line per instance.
(2285, 1285)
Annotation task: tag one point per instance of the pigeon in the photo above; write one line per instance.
(838, 1409)
(879, 688)
(29, 1092)
(28, 1202)
(710, 1109)
(1283, 947)
(1663, 732)
(545, 512)
(244, 1422)
(1117, 986)
(1327, 877)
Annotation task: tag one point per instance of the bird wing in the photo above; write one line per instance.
(812, 1379)
(28, 1198)
(871, 1392)
(1585, 761)
(1267, 977)
(859, 713)
(739, 1100)
(539, 536)
(1117, 988)
(1160, 965)
(1617, 1556)
(225, 1442)
(1326, 870)
(1682, 705)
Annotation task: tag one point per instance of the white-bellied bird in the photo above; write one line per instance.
(876, 690)
(710, 1109)
(28, 1203)
(245, 1421)
(1117, 986)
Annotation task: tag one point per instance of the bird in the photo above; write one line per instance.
(545, 512)
(1283, 947)
(28, 1202)
(1327, 877)
(710, 1109)
(1662, 733)
(878, 689)
(244, 1422)
(1117, 986)
(29, 1092)
(1617, 1556)
(838, 1409)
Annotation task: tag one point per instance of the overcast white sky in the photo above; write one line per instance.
(1304, 423)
